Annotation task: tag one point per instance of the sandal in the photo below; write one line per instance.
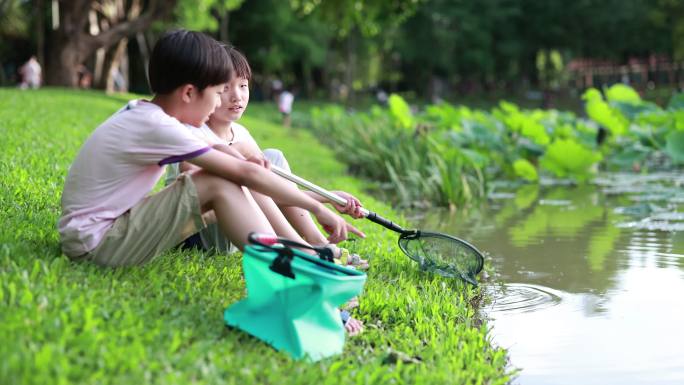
(345, 258)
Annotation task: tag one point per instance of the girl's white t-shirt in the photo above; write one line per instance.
(240, 134)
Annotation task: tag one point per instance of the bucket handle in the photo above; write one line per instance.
(283, 263)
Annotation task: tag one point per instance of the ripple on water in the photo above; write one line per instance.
(522, 298)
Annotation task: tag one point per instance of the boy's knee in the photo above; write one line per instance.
(211, 187)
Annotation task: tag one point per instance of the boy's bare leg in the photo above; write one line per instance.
(239, 211)
(234, 213)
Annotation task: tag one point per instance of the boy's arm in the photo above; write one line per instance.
(257, 157)
(264, 181)
(185, 166)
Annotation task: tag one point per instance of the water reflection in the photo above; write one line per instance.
(592, 277)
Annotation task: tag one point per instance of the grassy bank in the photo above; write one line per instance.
(64, 322)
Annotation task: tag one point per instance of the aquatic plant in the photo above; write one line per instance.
(447, 154)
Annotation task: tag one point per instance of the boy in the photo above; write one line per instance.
(107, 217)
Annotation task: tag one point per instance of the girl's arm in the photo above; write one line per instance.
(264, 181)
(352, 208)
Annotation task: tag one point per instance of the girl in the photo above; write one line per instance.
(288, 221)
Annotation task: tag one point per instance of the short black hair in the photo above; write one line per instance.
(187, 57)
(240, 64)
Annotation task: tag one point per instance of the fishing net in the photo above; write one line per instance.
(443, 254)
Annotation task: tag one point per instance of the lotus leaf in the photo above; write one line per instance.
(565, 157)
(535, 131)
(676, 102)
(622, 93)
(675, 146)
(524, 169)
(632, 111)
(601, 112)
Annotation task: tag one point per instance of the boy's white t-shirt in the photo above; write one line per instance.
(116, 168)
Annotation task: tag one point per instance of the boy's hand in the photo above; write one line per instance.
(259, 159)
(334, 225)
(353, 206)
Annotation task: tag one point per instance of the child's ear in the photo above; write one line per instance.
(188, 91)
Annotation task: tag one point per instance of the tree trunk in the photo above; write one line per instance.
(62, 69)
(72, 44)
(144, 51)
(40, 31)
(223, 28)
(350, 70)
(113, 65)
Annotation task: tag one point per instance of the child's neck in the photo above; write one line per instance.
(221, 129)
(170, 106)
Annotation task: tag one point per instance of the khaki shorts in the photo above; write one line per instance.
(158, 223)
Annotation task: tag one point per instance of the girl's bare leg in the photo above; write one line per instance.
(302, 222)
(298, 218)
(275, 217)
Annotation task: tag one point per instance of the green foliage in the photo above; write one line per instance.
(371, 17)
(63, 322)
(407, 43)
(446, 116)
(199, 15)
(400, 111)
(279, 41)
(13, 18)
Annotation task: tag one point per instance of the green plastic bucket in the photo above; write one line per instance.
(298, 315)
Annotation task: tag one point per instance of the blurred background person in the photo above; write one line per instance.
(31, 74)
(285, 100)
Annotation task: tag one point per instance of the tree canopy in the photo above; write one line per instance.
(326, 45)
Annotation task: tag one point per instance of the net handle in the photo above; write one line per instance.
(377, 218)
(371, 216)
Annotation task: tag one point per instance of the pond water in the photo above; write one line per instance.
(592, 278)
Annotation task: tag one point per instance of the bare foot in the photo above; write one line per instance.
(351, 325)
(351, 304)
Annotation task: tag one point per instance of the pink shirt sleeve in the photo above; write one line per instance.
(168, 142)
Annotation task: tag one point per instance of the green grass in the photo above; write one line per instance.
(63, 322)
